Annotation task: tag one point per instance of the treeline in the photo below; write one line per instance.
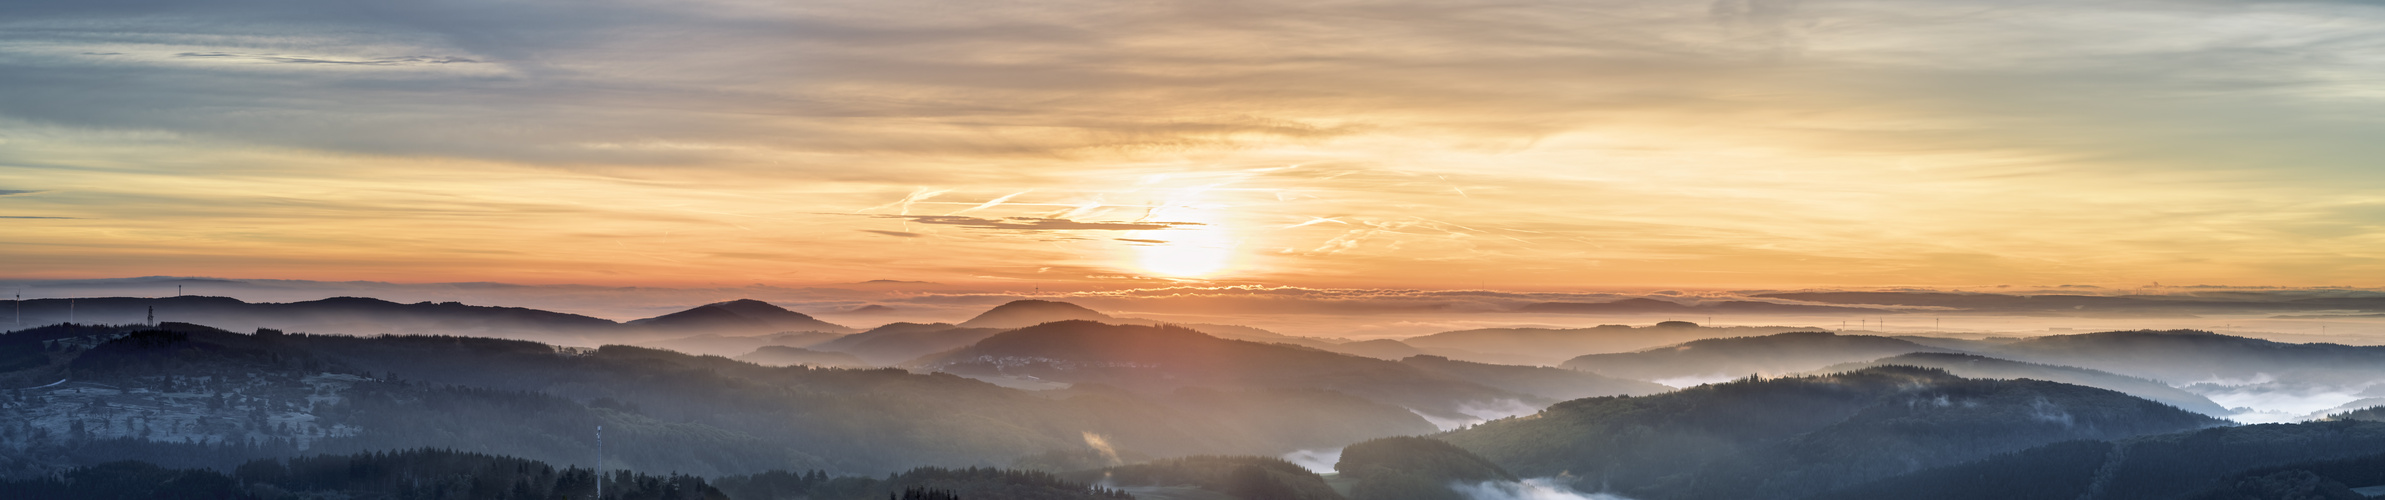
(429, 474)
(674, 412)
(1785, 438)
(406, 475)
(1241, 477)
(1413, 468)
(926, 483)
(2215, 463)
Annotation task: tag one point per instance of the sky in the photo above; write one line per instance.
(1528, 145)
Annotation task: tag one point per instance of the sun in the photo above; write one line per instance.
(1199, 250)
(1184, 259)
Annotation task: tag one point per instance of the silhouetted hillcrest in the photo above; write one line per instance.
(1654, 306)
(734, 345)
(1158, 359)
(1550, 346)
(2087, 305)
(1982, 367)
(240, 397)
(1792, 437)
(2186, 356)
(1021, 313)
(368, 316)
(900, 342)
(742, 315)
(1777, 354)
(779, 355)
(1553, 383)
(354, 315)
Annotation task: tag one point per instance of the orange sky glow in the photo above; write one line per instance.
(1086, 145)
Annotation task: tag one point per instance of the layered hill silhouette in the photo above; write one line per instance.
(1158, 359)
(1021, 313)
(1551, 346)
(896, 343)
(1793, 437)
(368, 316)
(2086, 305)
(1982, 367)
(1654, 306)
(2248, 462)
(742, 315)
(779, 355)
(1553, 383)
(1771, 355)
(734, 345)
(2188, 356)
(221, 398)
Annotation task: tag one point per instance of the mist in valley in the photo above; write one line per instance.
(1058, 393)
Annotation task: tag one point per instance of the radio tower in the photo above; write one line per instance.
(152, 321)
(600, 462)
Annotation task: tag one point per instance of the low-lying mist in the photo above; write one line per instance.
(1539, 488)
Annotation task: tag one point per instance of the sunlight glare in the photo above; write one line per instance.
(1187, 251)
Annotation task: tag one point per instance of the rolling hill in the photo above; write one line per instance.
(1792, 437)
(1726, 358)
(1982, 367)
(1157, 359)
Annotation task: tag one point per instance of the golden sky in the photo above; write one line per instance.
(1434, 144)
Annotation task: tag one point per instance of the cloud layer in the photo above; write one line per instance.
(1449, 144)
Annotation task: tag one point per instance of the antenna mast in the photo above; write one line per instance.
(152, 316)
(600, 462)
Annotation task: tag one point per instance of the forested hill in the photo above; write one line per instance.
(1790, 437)
(428, 474)
(206, 397)
(2209, 463)
(1161, 359)
(370, 316)
(1974, 366)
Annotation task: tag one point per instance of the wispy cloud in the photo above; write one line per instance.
(1552, 143)
(1037, 223)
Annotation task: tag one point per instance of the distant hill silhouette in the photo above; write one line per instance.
(779, 355)
(1789, 438)
(215, 399)
(1158, 359)
(896, 343)
(731, 345)
(1550, 346)
(2187, 356)
(369, 316)
(1021, 313)
(1377, 348)
(1653, 306)
(1553, 383)
(1982, 367)
(2091, 305)
(1777, 354)
(742, 315)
